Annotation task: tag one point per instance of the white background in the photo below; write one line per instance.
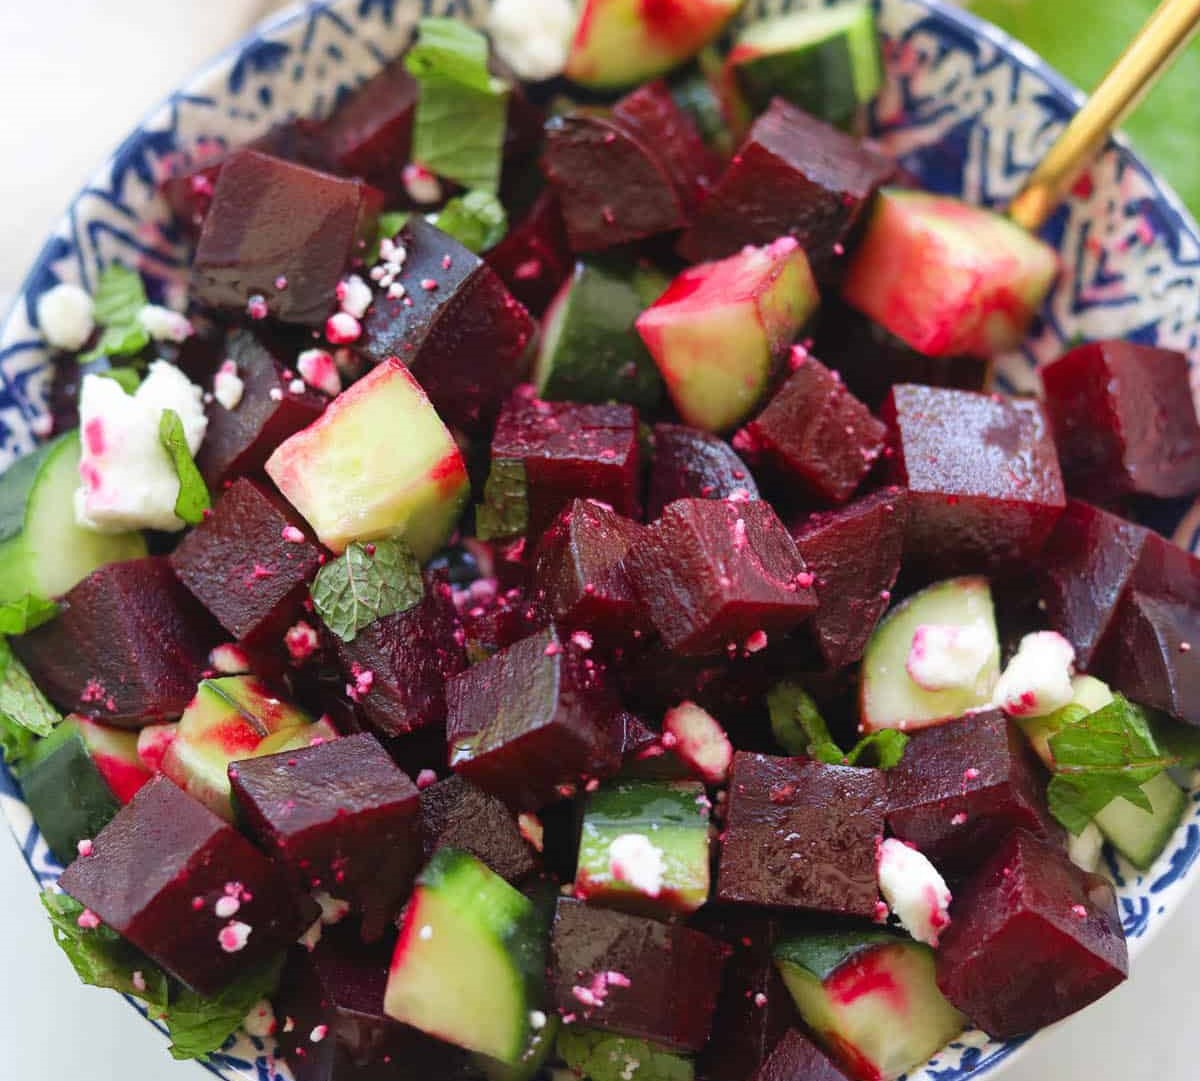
(75, 75)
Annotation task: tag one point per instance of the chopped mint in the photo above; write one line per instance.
(1104, 756)
(883, 749)
(476, 220)
(120, 297)
(1176, 738)
(17, 617)
(199, 1025)
(366, 583)
(799, 728)
(601, 1056)
(459, 129)
(126, 378)
(193, 499)
(504, 512)
(20, 700)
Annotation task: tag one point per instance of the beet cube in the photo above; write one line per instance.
(240, 440)
(961, 787)
(794, 175)
(128, 648)
(1033, 940)
(457, 328)
(982, 476)
(796, 1056)
(370, 133)
(457, 814)
(1124, 421)
(534, 259)
(634, 976)
(532, 721)
(1153, 658)
(854, 554)
(815, 432)
(802, 835)
(692, 464)
(240, 564)
(579, 576)
(281, 232)
(710, 572)
(411, 655)
(159, 856)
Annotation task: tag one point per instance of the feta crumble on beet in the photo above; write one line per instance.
(229, 660)
(318, 369)
(914, 890)
(635, 860)
(333, 909)
(66, 316)
(234, 936)
(1037, 680)
(533, 36)
(421, 186)
(228, 386)
(312, 937)
(698, 738)
(164, 325)
(354, 295)
(946, 657)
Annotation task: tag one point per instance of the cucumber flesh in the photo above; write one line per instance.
(1141, 836)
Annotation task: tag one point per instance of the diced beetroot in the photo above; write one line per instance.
(570, 451)
(239, 441)
(1124, 421)
(341, 817)
(796, 1056)
(815, 432)
(1033, 939)
(457, 328)
(369, 135)
(410, 655)
(1154, 657)
(250, 563)
(961, 787)
(802, 835)
(854, 554)
(457, 814)
(128, 648)
(579, 576)
(711, 572)
(533, 721)
(534, 259)
(635, 976)
(283, 233)
(982, 476)
(496, 621)
(159, 873)
(794, 175)
(691, 464)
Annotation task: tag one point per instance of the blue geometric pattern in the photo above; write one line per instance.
(964, 107)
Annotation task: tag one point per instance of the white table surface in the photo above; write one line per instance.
(60, 63)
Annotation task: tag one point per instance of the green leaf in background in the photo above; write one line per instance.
(1082, 38)
(602, 1056)
(120, 297)
(476, 220)
(366, 583)
(193, 499)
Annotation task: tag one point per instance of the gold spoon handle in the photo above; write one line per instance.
(1151, 53)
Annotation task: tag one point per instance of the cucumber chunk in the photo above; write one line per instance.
(1141, 836)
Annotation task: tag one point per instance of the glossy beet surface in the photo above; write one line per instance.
(454, 311)
(341, 816)
(794, 175)
(411, 655)
(711, 572)
(128, 649)
(1124, 421)
(802, 835)
(272, 223)
(982, 475)
(457, 814)
(534, 259)
(241, 565)
(691, 464)
(815, 432)
(854, 554)
(667, 976)
(961, 787)
(533, 722)
(156, 873)
(1154, 656)
(239, 441)
(797, 1057)
(1032, 939)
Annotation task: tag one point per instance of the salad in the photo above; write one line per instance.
(561, 594)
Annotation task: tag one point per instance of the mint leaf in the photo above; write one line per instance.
(883, 749)
(459, 128)
(199, 1025)
(126, 378)
(193, 499)
(366, 583)
(601, 1056)
(504, 512)
(797, 724)
(21, 703)
(126, 340)
(120, 297)
(17, 617)
(476, 220)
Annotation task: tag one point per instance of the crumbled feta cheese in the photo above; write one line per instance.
(1085, 850)
(342, 328)
(229, 660)
(698, 738)
(260, 1021)
(533, 36)
(421, 185)
(634, 859)
(946, 656)
(1037, 680)
(164, 325)
(228, 386)
(917, 894)
(354, 295)
(312, 937)
(333, 910)
(66, 315)
(129, 480)
(234, 936)
(319, 370)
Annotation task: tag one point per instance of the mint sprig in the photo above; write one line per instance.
(602, 1056)
(193, 499)
(477, 220)
(366, 583)
(799, 728)
(25, 713)
(199, 1025)
(119, 298)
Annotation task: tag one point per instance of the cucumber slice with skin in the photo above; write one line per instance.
(1141, 836)
(468, 967)
(43, 553)
(871, 997)
(890, 697)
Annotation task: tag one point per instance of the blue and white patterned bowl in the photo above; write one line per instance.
(965, 108)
